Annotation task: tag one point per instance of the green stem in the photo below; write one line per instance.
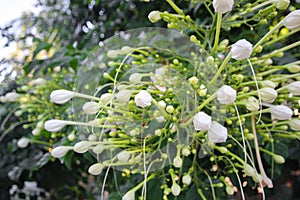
(175, 7)
(223, 65)
(218, 29)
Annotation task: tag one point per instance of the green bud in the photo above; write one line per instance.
(279, 159)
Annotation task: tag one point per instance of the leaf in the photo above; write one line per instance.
(40, 47)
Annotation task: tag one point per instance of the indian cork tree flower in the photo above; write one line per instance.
(294, 87)
(217, 133)
(268, 95)
(242, 49)
(124, 95)
(175, 189)
(252, 104)
(23, 142)
(135, 78)
(201, 121)
(154, 16)
(11, 96)
(91, 107)
(292, 20)
(295, 124)
(96, 169)
(124, 156)
(130, 195)
(60, 151)
(223, 6)
(177, 162)
(143, 99)
(61, 96)
(226, 94)
(186, 179)
(282, 4)
(281, 112)
(82, 147)
(54, 125)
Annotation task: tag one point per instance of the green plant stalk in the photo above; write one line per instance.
(273, 53)
(281, 37)
(218, 30)
(175, 7)
(221, 68)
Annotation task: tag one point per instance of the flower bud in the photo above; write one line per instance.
(3, 99)
(268, 83)
(91, 107)
(135, 78)
(82, 147)
(61, 96)
(11, 96)
(36, 131)
(292, 20)
(223, 6)
(293, 68)
(143, 99)
(229, 190)
(170, 109)
(98, 149)
(106, 97)
(282, 4)
(186, 179)
(281, 112)
(279, 159)
(154, 16)
(112, 53)
(294, 87)
(54, 125)
(201, 121)
(96, 169)
(71, 137)
(162, 104)
(249, 170)
(93, 137)
(124, 95)
(177, 162)
(175, 189)
(252, 104)
(226, 94)
(126, 49)
(268, 95)
(186, 151)
(23, 142)
(295, 124)
(130, 195)
(60, 151)
(38, 81)
(217, 133)
(124, 156)
(241, 49)
(193, 80)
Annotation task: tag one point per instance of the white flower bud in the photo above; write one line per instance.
(186, 151)
(249, 170)
(124, 156)
(92, 137)
(175, 189)
(38, 81)
(126, 49)
(223, 6)
(241, 49)
(281, 112)
(252, 104)
(36, 131)
(293, 68)
(154, 16)
(98, 149)
(96, 169)
(112, 53)
(268, 95)
(130, 195)
(60, 151)
(160, 119)
(23, 142)
(162, 104)
(201, 121)
(106, 97)
(91, 107)
(217, 133)
(279, 159)
(71, 136)
(186, 179)
(124, 95)
(282, 4)
(294, 87)
(82, 147)
(54, 125)
(292, 20)
(268, 83)
(40, 124)
(170, 109)
(295, 124)
(143, 99)
(193, 80)
(226, 94)
(3, 99)
(11, 96)
(61, 96)
(135, 78)
(177, 162)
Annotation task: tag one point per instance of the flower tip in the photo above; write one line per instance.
(61, 96)
(54, 125)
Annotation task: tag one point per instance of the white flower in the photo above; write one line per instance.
(40, 124)
(60, 151)
(201, 121)
(38, 81)
(294, 87)
(98, 149)
(252, 104)
(295, 124)
(175, 189)
(92, 137)
(143, 99)
(292, 20)
(154, 16)
(96, 169)
(11, 96)
(36, 131)
(23, 142)
(135, 78)
(177, 162)
(217, 133)
(226, 94)
(268, 95)
(223, 6)
(186, 179)
(91, 107)
(112, 53)
(124, 156)
(130, 195)
(126, 49)
(162, 104)
(241, 49)
(82, 147)
(170, 109)
(124, 95)
(54, 125)
(268, 83)
(281, 112)
(106, 97)
(282, 4)
(61, 96)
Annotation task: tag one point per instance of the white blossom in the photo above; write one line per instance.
(281, 112)
(223, 6)
(82, 147)
(268, 95)
(154, 16)
(295, 124)
(201, 121)
(61, 96)
(23, 142)
(60, 151)
(143, 99)
(130, 195)
(38, 81)
(292, 20)
(106, 97)
(126, 49)
(268, 83)
(135, 78)
(175, 189)
(177, 162)
(36, 131)
(124, 156)
(186, 179)
(124, 95)
(113, 53)
(96, 169)
(98, 149)
(282, 4)
(226, 94)
(252, 104)
(11, 96)
(294, 87)
(91, 107)
(217, 133)
(241, 49)
(54, 125)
